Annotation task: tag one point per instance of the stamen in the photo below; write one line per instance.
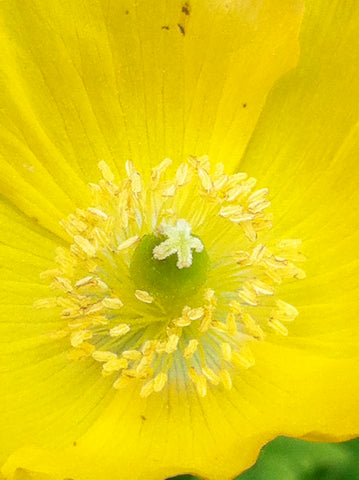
(143, 296)
(130, 242)
(119, 330)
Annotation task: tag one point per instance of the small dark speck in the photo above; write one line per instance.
(74, 444)
(244, 105)
(165, 27)
(181, 27)
(143, 417)
(127, 12)
(186, 9)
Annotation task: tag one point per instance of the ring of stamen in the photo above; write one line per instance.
(140, 329)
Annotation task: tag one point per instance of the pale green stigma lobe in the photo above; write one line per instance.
(180, 242)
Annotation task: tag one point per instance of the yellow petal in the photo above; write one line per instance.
(26, 249)
(305, 149)
(293, 391)
(84, 82)
(285, 393)
(38, 402)
(175, 434)
(315, 396)
(305, 140)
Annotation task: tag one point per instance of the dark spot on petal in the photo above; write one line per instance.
(165, 27)
(181, 28)
(244, 105)
(186, 9)
(74, 444)
(127, 12)
(143, 417)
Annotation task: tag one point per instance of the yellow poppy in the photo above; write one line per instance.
(158, 315)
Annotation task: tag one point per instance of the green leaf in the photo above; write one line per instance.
(290, 459)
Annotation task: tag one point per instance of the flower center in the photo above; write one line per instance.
(171, 265)
(165, 279)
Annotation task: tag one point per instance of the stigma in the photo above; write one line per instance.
(167, 274)
(179, 242)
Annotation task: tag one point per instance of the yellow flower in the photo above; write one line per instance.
(155, 314)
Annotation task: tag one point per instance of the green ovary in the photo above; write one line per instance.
(162, 278)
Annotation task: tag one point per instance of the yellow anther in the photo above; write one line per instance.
(130, 168)
(244, 358)
(183, 321)
(195, 313)
(143, 296)
(78, 337)
(58, 334)
(249, 230)
(158, 171)
(134, 176)
(245, 217)
(210, 296)
(232, 323)
(190, 349)
(231, 211)
(206, 320)
(147, 389)
(160, 381)
(100, 237)
(106, 171)
(94, 308)
(126, 244)
(200, 382)
(84, 281)
(103, 356)
(76, 353)
(211, 375)
(248, 295)
(62, 284)
(132, 355)
(226, 351)
(262, 288)
(169, 191)
(119, 330)
(288, 311)
(85, 245)
(114, 364)
(205, 179)
(226, 379)
(235, 307)
(172, 343)
(100, 284)
(98, 213)
(257, 254)
(122, 382)
(251, 327)
(112, 303)
(182, 174)
(278, 326)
